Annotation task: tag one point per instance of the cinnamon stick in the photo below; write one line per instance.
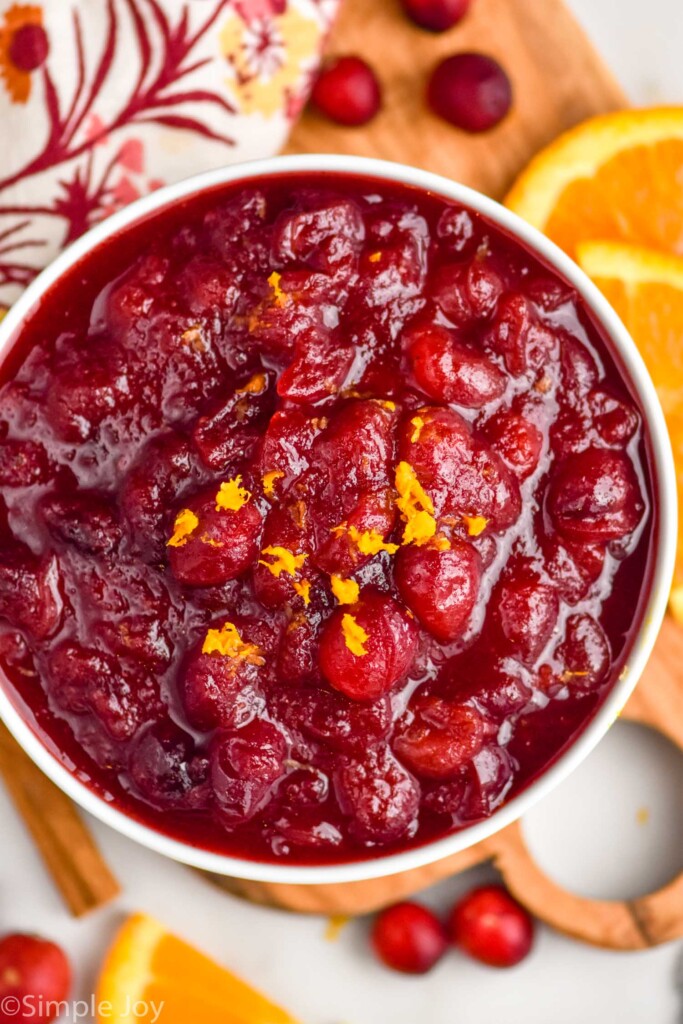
(69, 851)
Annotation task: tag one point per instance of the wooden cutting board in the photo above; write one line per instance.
(557, 77)
(558, 80)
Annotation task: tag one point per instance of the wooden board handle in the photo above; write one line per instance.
(69, 851)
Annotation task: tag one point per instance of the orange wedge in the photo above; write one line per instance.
(148, 966)
(617, 177)
(646, 289)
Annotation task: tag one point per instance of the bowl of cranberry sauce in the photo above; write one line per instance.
(336, 519)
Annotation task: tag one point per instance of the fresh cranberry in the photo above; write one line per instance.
(595, 497)
(222, 545)
(440, 587)
(450, 371)
(245, 767)
(35, 978)
(525, 612)
(492, 927)
(436, 15)
(347, 91)
(367, 647)
(440, 738)
(471, 91)
(409, 938)
(379, 795)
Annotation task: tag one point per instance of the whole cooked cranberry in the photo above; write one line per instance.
(166, 770)
(379, 795)
(467, 293)
(517, 440)
(436, 15)
(318, 370)
(35, 977)
(409, 938)
(367, 647)
(573, 568)
(83, 520)
(306, 787)
(615, 422)
(594, 496)
(524, 342)
(82, 679)
(471, 91)
(245, 766)
(222, 544)
(230, 431)
(450, 371)
(440, 587)
(222, 689)
(326, 235)
(30, 591)
(440, 738)
(492, 927)
(525, 612)
(462, 475)
(585, 653)
(347, 91)
(331, 718)
(163, 472)
(86, 391)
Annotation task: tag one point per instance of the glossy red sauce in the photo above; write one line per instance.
(326, 519)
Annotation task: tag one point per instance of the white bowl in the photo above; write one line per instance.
(664, 484)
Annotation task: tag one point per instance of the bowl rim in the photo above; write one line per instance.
(664, 497)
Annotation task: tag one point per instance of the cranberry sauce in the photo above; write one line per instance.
(325, 512)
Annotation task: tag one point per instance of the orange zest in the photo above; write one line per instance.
(146, 964)
(231, 496)
(228, 642)
(354, 635)
(284, 561)
(186, 522)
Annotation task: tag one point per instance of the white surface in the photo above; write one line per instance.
(339, 983)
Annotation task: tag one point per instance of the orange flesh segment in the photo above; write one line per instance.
(147, 963)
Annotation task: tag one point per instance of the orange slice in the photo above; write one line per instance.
(616, 177)
(646, 289)
(148, 965)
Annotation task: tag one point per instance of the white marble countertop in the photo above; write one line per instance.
(591, 833)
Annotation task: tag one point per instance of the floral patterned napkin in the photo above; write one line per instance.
(104, 100)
